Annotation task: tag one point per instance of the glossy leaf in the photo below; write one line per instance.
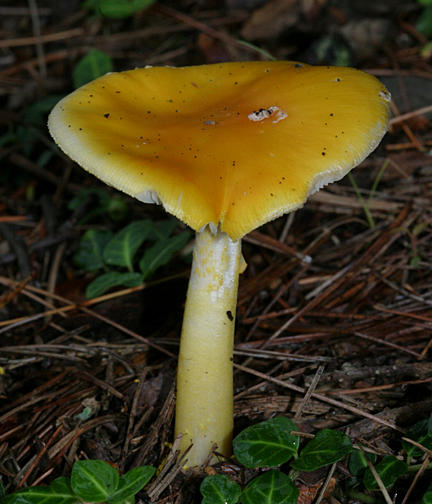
(272, 487)
(131, 483)
(89, 255)
(421, 432)
(117, 9)
(93, 65)
(427, 497)
(59, 492)
(219, 489)
(94, 480)
(327, 447)
(266, 444)
(112, 279)
(121, 249)
(161, 252)
(424, 22)
(163, 229)
(389, 470)
(357, 461)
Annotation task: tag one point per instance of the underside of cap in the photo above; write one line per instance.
(230, 145)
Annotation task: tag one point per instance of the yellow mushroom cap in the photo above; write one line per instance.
(229, 145)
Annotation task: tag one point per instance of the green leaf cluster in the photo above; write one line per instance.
(117, 9)
(270, 444)
(90, 481)
(116, 253)
(390, 468)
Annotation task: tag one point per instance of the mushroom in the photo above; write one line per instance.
(225, 148)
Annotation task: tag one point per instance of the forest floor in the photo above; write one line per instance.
(340, 342)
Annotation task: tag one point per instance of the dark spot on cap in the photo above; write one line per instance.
(106, 115)
(230, 316)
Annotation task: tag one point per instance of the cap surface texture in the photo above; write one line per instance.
(229, 145)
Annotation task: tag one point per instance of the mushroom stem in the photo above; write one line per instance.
(204, 414)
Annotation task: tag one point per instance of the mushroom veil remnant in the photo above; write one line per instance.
(225, 148)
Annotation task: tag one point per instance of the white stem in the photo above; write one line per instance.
(204, 411)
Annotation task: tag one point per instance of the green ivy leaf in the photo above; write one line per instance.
(117, 9)
(266, 444)
(163, 229)
(424, 22)
(89, 255)
(272, 487)
(112, 279)
(389, 470)
(93, 65)
(421, 432)
(427, 497)
(122, 247)
(131, 483)
(327, 447)
(357, 461)
(94, 480)
(59, 492)
(161, 252)
(219, 489)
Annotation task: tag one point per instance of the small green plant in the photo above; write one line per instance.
(117, 9)
(90, 481)
(91, 66)
(424, 22)
(271, 445)
(424, 26)
(112, 205)
(116, 254)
